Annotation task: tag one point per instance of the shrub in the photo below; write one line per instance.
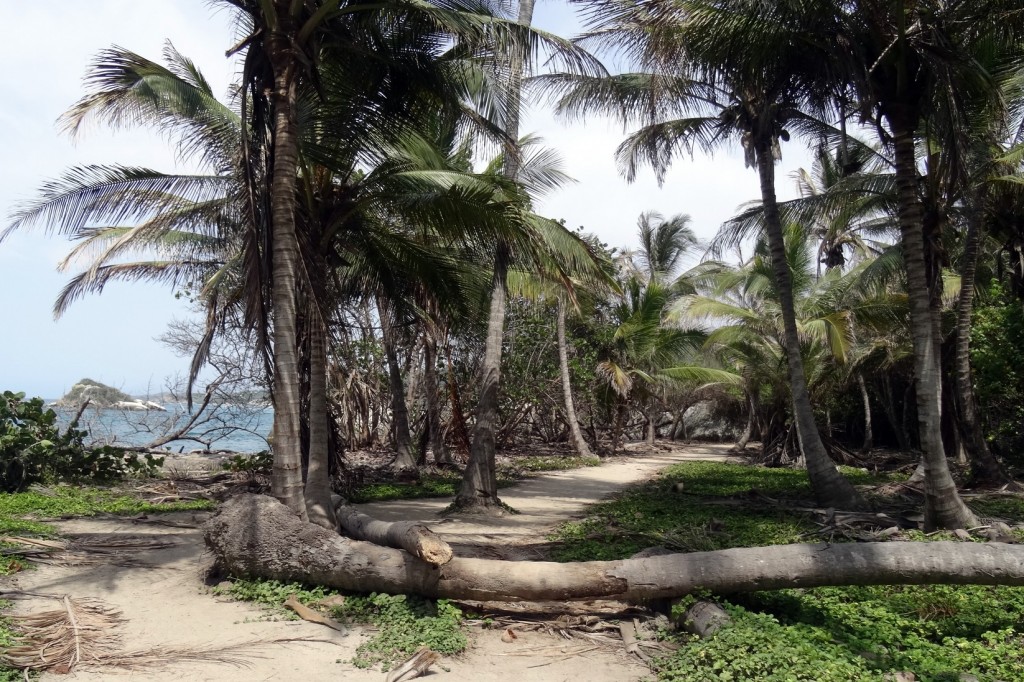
(33, 449)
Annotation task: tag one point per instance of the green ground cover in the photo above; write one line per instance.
(821, 635)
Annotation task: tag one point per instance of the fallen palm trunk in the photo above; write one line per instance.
(256, 536)
(414, 538)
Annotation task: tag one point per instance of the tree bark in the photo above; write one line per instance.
(479, 488)
(830, 487)
(748, 432)
(579, 445)
(869, 438)
(432, 400)
(458, 414)
(943, 506)
(401, 436)
(652, 426)
(286, 481)
(255, 536)
(414, 538)
(984, 464)
(318, 480)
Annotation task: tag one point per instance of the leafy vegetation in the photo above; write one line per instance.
(823, 634)
(998, 361)
(403, 623)
(34, 449)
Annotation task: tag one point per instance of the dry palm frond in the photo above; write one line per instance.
(86, 550)
(60, 639)
(84, 633)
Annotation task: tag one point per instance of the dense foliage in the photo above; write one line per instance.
(34, 449)
(997, 357)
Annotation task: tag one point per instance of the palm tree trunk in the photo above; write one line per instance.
(652, 425)
(984, 464)
(579, 445)
(286, 482)
(318, 481)
(830, 487)
(479, 487)
(431, 397)
(400, 433)
(619, 424)
(869, 437)
(943, 506)
(480, 482)
(458, 414)
(748, 432)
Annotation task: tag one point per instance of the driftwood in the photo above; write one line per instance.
(414, 538)
(257, 536)
(415, 666)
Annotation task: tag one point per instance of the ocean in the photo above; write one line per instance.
(237, 428)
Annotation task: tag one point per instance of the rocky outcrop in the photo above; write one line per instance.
(707, 421)
(101, 395)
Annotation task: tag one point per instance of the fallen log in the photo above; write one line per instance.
(257, 536)
(414, 538)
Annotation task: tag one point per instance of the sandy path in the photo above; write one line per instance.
(166, 603)
(542, 502)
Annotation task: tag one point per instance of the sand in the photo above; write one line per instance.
(166, 603)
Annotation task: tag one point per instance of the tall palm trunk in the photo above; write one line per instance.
(748, 432)
(830, 487)
(984, 464)
(432, 400)
(400, 432)
(318, 481)
(869, 437)
(286, 482)
(480, 482)
(579, 445)
(943, 506)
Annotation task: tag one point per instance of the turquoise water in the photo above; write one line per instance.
(237, 428)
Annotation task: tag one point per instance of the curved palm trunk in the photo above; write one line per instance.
(400, 432)
(984, 464)
(748, 432)
(579, 445)
(287, 477)
(830, 487)
(318, 480)
(480, 482)
(943, 506)
(869, 438)
(431, 395)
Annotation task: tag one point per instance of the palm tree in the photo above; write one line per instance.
(747, 334)
(909, 64)
(737, 70)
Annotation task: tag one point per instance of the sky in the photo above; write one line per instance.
(45, 47)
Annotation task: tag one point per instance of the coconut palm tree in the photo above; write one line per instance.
(716, 71)
(911, 66)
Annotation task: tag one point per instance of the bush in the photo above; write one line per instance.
(34, 450)
(997, 361)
